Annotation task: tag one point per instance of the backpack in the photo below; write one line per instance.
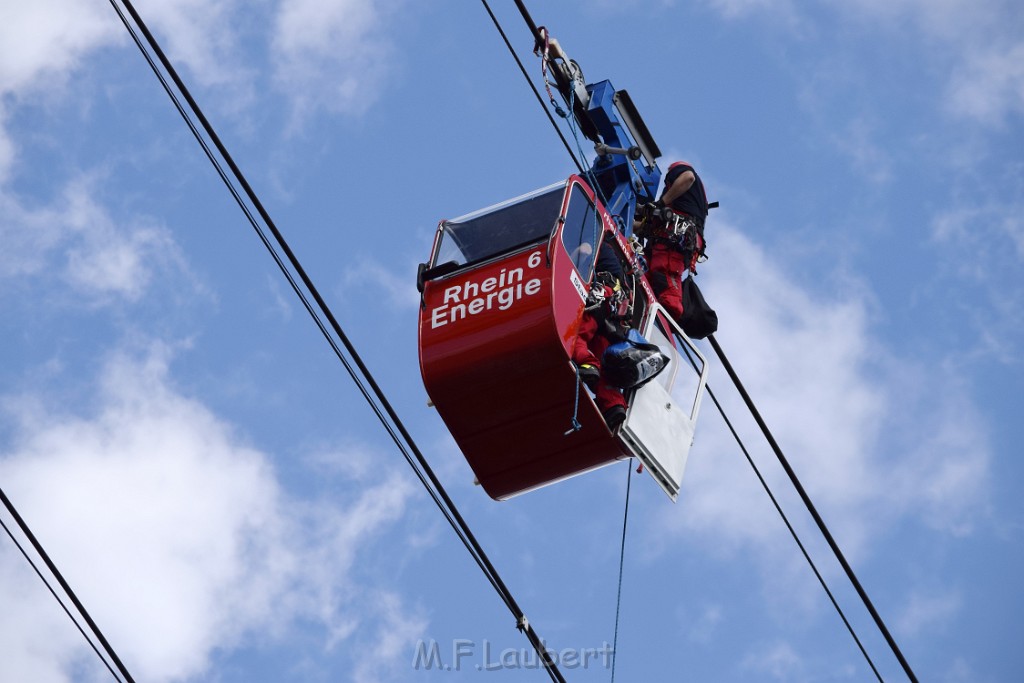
(698, 319)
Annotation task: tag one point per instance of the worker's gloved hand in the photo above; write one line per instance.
(662, 211)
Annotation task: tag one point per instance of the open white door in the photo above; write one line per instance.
(663, 413)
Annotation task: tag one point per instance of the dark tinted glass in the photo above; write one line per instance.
(581, 231)
(490, 233)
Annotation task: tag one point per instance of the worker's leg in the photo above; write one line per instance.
(665, 275)
(609, 399)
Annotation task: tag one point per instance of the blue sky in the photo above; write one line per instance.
(198, 464)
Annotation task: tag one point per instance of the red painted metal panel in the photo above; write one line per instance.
(496, 337)
(494, 354)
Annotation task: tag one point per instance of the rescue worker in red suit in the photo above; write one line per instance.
(599, 329)
(672, 255)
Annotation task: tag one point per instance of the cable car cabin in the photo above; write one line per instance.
(502, 299)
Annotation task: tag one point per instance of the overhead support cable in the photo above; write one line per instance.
(281, 265)
(104, 643)
(60, 602)
(539, 38)
(812, 509)
(267, 243)
(792, 532)
(533, 87)
(530, 23)
(364, 379)
(785, 520)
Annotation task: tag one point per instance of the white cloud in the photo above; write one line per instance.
(848, 417)
(385, 654)
(202, 35)
(399, 288)
(176, 535)
(732, 9)
(858, 142)
(802, 359)
(924, 612)
(940, 18)
(993, 229)
(960, 672)
(779, 660)
(989, 86)
(977, 41)
(41, 42)
(7, 152)
(107, 259)
(980, 244)
(28, 237)
(703, 626)
(326, 55)
(279, 304)
(331, 55)
(938, 452)
(78, 240)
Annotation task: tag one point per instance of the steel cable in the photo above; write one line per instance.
(66, 588)
(812, 509)
(379, 401)
(821, 525)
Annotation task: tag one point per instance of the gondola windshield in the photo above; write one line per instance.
(499, 229)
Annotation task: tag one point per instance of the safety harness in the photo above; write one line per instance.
(609, 302)
(681, 232)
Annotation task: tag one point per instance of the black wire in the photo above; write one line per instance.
(529, 21)
(793, 533)
(289, 276)
(785, 519)
(64, 585)
(266, 242)
(537, 36)
(60, 602)
(814, 512)
(277, 258)
(533, 87)
(382, 403)
(453, 517)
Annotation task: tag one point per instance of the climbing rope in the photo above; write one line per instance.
(622, 563)
(542, 50)
(576, 426)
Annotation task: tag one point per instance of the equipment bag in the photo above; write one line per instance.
(633, 362)
(698, 319)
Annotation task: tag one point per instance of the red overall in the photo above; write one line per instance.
(667, 265)
(588, 349)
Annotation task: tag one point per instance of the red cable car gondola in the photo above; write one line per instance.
(502, 299)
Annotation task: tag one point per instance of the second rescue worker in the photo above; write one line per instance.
(672, 255)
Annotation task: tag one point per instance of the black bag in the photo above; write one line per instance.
(698, 319)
